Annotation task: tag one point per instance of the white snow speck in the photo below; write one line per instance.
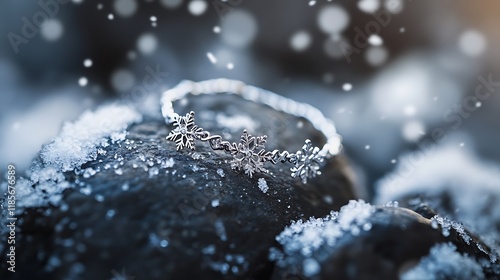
(376, 56)
(169, 163)
(78, 142)
(414, 130)
(300, 41)
(87, 62)
(197, 7)
(333, 19)
(347, 87)
(238, 28)
(215, 203)
(211, 57)
(82, 81)
(125, 8)
(375, 40)
(369, 6)
(221, 173)
(147, 43)
(51, 29)
(263, 185)
(472, 43)
(122, 80)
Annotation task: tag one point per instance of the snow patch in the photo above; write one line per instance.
(472, 185)
(302, 241)
(444, 262)
(79, 142)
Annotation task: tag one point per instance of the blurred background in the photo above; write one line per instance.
(394, 75)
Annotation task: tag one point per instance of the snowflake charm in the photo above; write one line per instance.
(250, 155)
(185, 131)
(308, 162)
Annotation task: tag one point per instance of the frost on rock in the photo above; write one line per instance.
(303, 241)
(472, 186)
(263, 185)
(79, 142)
(444, 262)
(446, 225)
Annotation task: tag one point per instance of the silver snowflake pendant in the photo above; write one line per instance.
(184, 133)
(308, 162)
(250, 154)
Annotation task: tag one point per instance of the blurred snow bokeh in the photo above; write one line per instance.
(454, 181)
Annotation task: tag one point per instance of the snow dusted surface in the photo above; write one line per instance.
(306, 238)
(444, 262)
(472, 185)
(78, 142)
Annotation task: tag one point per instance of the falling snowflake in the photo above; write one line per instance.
(250, 155)
(308, 163)
(184, 133)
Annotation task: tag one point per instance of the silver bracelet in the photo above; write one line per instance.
(249, 154)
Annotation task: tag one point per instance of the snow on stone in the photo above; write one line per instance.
(263, 185)
(473, 186)
(444, 262)
(302, 240)
(447, 224)
(78, 142)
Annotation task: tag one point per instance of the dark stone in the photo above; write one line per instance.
(397, 240)
(184, 221)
